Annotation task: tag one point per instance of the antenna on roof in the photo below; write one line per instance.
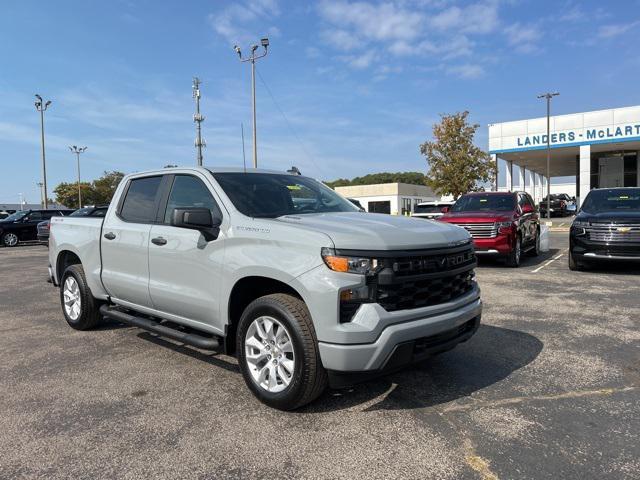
(244, 156)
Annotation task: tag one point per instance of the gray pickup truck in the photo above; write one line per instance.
(304, 288)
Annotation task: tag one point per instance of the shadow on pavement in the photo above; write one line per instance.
(526, 261)
(489, 357)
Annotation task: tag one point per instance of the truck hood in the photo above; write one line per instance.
(377, 231)
(471, 217)
(615, 216)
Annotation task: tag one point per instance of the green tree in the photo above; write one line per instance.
(414, 178)
(456, 165)
(105, 186)
(98, 192)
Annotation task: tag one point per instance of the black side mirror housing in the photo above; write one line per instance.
(199, 219)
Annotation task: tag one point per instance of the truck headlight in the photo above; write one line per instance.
(504, 227)
(347, 264)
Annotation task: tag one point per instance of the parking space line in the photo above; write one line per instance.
(547, 263)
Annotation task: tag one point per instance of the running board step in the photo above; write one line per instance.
(195, 340)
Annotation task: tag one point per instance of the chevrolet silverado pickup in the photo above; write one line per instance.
(306, 290)
(503, 224)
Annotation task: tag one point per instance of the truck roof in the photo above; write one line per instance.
(210, 169)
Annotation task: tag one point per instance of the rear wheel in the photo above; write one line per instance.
(10, 239)
(535, 251)
(80, 309)
(513, 260)
(278, 352)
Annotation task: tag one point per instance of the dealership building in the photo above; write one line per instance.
(600, 148)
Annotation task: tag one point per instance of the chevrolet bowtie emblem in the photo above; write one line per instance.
(624, 229)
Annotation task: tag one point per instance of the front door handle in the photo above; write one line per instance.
(159, 241)
(110, 236)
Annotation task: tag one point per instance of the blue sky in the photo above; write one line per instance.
(360, 83)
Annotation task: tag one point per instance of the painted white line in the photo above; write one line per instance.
(547, 263)
(562, 224)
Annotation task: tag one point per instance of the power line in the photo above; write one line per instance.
(291, 129)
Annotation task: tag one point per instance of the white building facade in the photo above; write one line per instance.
(600, 148)
(391, 198)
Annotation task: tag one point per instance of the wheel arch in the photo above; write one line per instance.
(245, 291)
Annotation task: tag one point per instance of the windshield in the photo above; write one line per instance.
(16, 216)
(428, 208)
(485, 203)
(267, 195)
(604, 200)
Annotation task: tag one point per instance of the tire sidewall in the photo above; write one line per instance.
(271, 308)
(82, 318)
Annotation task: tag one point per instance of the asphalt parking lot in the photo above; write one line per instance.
(548, 388)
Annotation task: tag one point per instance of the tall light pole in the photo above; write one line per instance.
(42, 106)
(548, 96)
(252, 58)
(78, 151)
(198, 118)
(40, 185)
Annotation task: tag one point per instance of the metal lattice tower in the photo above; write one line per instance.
(198, 118)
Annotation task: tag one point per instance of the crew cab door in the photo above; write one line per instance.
(125, 241)
(527, 219)
(28, 227)
(184, 268)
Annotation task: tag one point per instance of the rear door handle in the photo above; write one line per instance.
(159, 241)
(110, 236)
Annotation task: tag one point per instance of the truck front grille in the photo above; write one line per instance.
(614, 233)
(424, 293)
(481, 229)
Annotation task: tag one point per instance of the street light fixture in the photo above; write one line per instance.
(78, 151)
(252, 58)
(41, 106)
(548, 97)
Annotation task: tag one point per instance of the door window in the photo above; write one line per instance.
(35, 216)
(140, 203)
(190, 192)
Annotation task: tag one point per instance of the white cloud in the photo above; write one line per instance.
(238, 22)
(615, 30)
(477, 18)
(466, 71)
(523, 38)
(360, 61)
(340, 39)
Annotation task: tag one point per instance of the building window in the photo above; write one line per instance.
(406, 206)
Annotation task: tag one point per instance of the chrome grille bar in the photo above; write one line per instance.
(481, 229)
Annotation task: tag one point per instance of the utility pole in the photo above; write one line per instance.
(198, 119)
(548, 96)
(40, 185)
(252, 58)
(41, 106)
(78, 151)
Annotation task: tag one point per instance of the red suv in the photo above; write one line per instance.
(501, 223)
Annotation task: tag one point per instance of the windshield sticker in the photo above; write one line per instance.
(294, 187)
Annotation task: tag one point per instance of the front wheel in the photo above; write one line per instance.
(513, 260)
(80, 309)
(278, 352)
(574, 264)
(9, 239)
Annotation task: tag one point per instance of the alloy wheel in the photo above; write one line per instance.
(72, 301)
(269, 354)
(10, 239)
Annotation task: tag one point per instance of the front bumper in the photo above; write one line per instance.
(401, 328)
(500, 245)
(583, 248)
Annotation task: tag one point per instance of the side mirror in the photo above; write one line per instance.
(445, 209)
(197, 219)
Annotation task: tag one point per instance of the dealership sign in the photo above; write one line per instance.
(582, 136)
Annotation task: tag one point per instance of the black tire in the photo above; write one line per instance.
(309, 378)
(535, 251)
(513, 259)
(574, 265)
(9, 239)
(89, 316)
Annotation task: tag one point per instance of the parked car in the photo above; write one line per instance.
(607, 227)
(558, 205)
(22, 226)
(571, 203)
(5, 213)
(504, 224)
(431, 210)
(90, 211)
(305, 294)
